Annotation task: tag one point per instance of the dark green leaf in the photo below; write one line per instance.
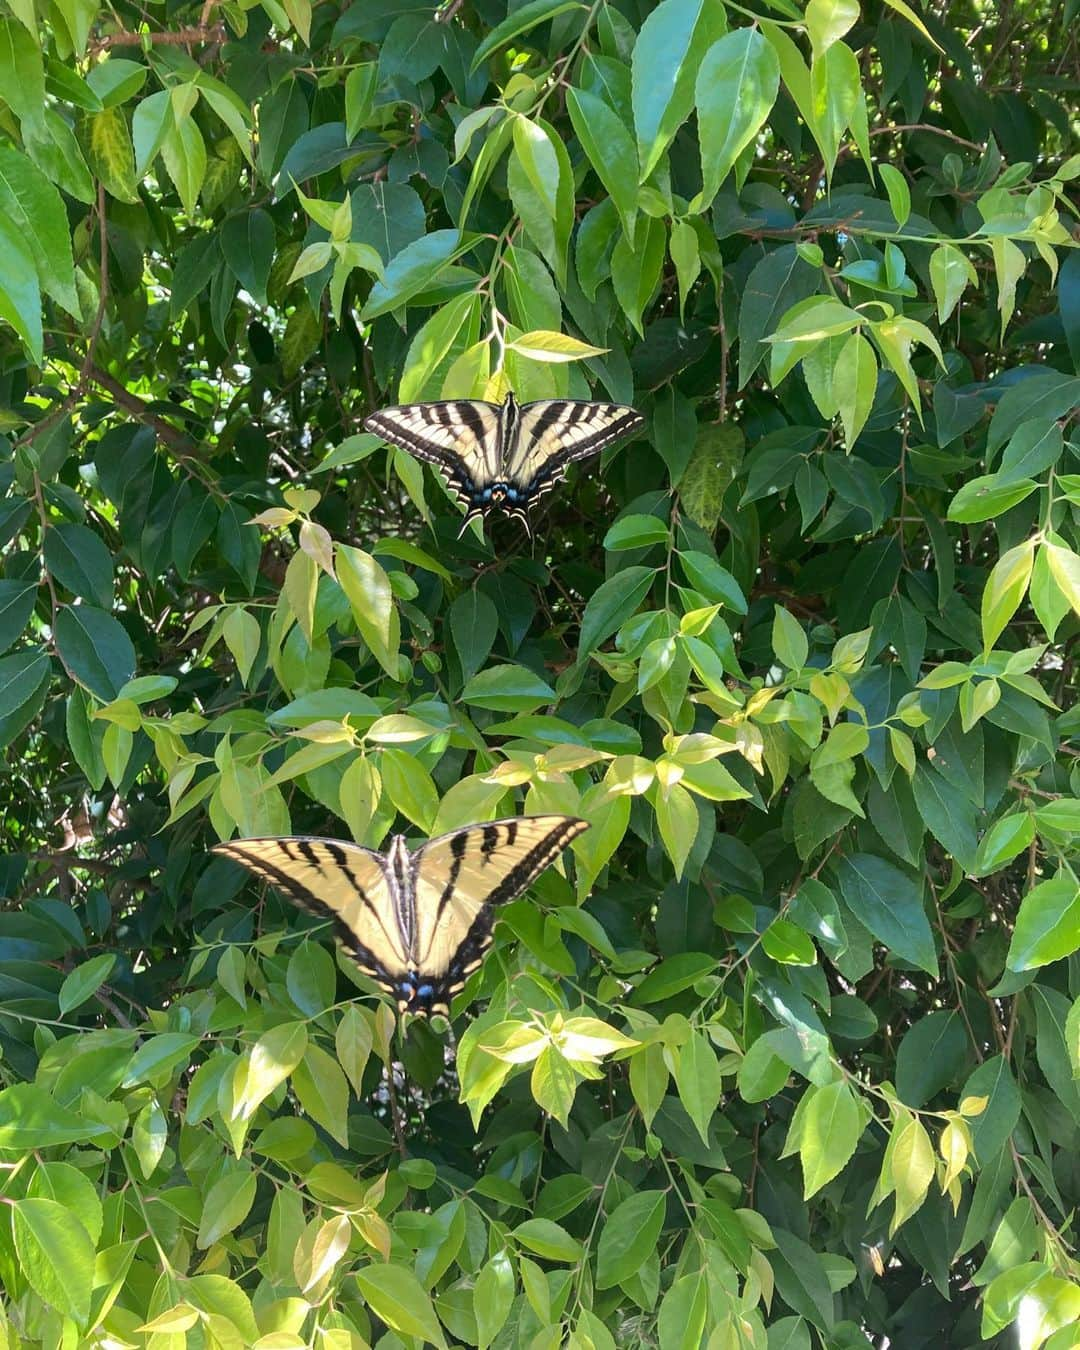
(890, 905)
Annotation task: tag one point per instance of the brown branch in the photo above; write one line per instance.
(181, 37)
(172, 436)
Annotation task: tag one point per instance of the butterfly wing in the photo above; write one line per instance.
(555, 432)
(338, 881)
(460, 878)
(460, 437)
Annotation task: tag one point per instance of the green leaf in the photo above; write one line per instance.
(56, 1256)
(520, 20)
(84, 981)
(835, 91)
(553, 1084)
(31, 1119)
(789, 642)
(828, 20)
(888, 903)
(311, 978)
(610, 150)
(665, 62)
(184, 152)
(987, 497)
(35, 209)
(829, 1128)
(414, 269)
(635, 270)
(272, 1059)
(678, 821)
(431, 345)
(20, 299)
(910, 1162)
(248, 241)
(508, 688)
(635, 531)
(22, 75)
(630, 1233)
(697, 1076)
(553, 348)
(896, 186)
(409, 787)
(737, 84)
(789, 945)
(780, 281)
(397, 1296)
(951, 272)
(493, 1296)
(855, 380)
(610, 605)
(78, 559)
(683, 1310)
(158, 1057)
(1003, 841)
(474, 623)
(353, 1043)
(1005, 589)
(110, 154)
(1047, 923)
(714, 582)
(717, 457)
(547, 1239)
(17, 600)
(1064, 567)
(228, 1203)
(96, 649)
(371, 600)
(322, 1090)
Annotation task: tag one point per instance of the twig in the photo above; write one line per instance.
(172, 436)
(181, 37)
(395, 1111)
(927, 126)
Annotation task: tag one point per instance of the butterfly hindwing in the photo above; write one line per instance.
(459, 880)
(339, 881)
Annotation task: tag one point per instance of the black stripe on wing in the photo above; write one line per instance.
(541, 855)
(416, 443)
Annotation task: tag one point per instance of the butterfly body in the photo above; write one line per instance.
(506, 455)
(417, 921)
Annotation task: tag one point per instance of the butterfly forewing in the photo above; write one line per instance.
(338, 881)
(556, 432)
(460, 437)
(460, 878)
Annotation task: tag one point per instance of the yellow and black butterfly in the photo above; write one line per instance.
(506, 455)
(417, 921)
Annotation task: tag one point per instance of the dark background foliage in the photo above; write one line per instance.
(786, 1056)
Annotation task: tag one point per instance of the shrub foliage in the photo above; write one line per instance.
(786, 1054)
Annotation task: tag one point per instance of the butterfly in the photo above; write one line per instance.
(507, 454)
(417, 921)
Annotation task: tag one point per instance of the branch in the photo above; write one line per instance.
(172, 436)
(181, 37)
